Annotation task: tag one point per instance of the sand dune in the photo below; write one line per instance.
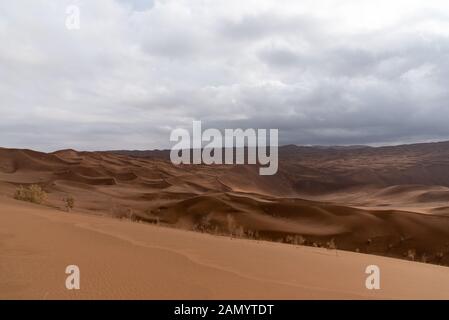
(375, 201)
(125, 260)
(378, 219)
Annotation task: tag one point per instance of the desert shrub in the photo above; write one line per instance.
(130, 215)
(295, 239)
(234, 228)
(331, 244)
(33, 193)
(289, 239)
(300, 240)
(204, 225)
(439, 255)
(232, 225)
(424, 258)
(252, 234)
(151, 215)
(120, 212)
(238, 232)
(411, 253)
(69, 203)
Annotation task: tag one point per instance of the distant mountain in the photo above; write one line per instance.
(317, 169)
(159, 154)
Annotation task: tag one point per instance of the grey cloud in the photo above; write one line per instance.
(138, 5)
(281, 57)
(137, 69)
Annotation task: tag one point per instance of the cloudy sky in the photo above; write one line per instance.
(322, 72)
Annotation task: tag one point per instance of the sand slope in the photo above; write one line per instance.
(121, 259)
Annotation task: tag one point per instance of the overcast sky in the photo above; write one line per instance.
(322, 72)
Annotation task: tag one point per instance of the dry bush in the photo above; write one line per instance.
(252, 234)
(234, 228)
(130, 215)
(69, 203)
(331, 244)
(238, 232)
(411, 254)
(232, 225)
(33, 193)
(151, 216)
(424, 258)
(295, 239)
(439, 255)
(120, 212)
(204, 225)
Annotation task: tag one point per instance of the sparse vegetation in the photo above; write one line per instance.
(239, 232)
(331, 244)
(295, 239)
(33, 194)
(130, 215)
(252, 234)
(424, 258)
(411, 254)
(69, 203)
(120, 212)
(204, 225)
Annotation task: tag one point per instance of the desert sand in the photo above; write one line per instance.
(127, 260)
(143, 228)
(384, 201)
